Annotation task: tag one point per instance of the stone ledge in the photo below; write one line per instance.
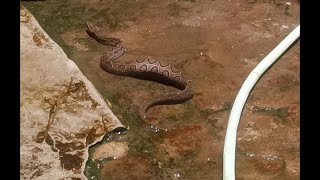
(61, 112)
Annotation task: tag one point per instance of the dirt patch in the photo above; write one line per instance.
(216, 44)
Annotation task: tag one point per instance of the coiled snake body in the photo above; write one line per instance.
(146, 69)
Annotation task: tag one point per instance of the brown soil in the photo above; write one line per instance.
(216, 43)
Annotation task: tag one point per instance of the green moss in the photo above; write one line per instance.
(282, 113)
(92, 171)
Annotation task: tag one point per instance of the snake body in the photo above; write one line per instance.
(145, 69)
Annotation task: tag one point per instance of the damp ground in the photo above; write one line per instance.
(216, 43)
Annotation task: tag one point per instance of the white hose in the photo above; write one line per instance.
(231, 134)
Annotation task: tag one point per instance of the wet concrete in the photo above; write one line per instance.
(216, 44)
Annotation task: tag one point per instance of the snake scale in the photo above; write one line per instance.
(145, 69)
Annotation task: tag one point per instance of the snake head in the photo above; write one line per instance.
(91, 27)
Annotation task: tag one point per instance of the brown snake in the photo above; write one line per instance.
(146, 69)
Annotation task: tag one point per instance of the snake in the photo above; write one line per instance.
(143, 69)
